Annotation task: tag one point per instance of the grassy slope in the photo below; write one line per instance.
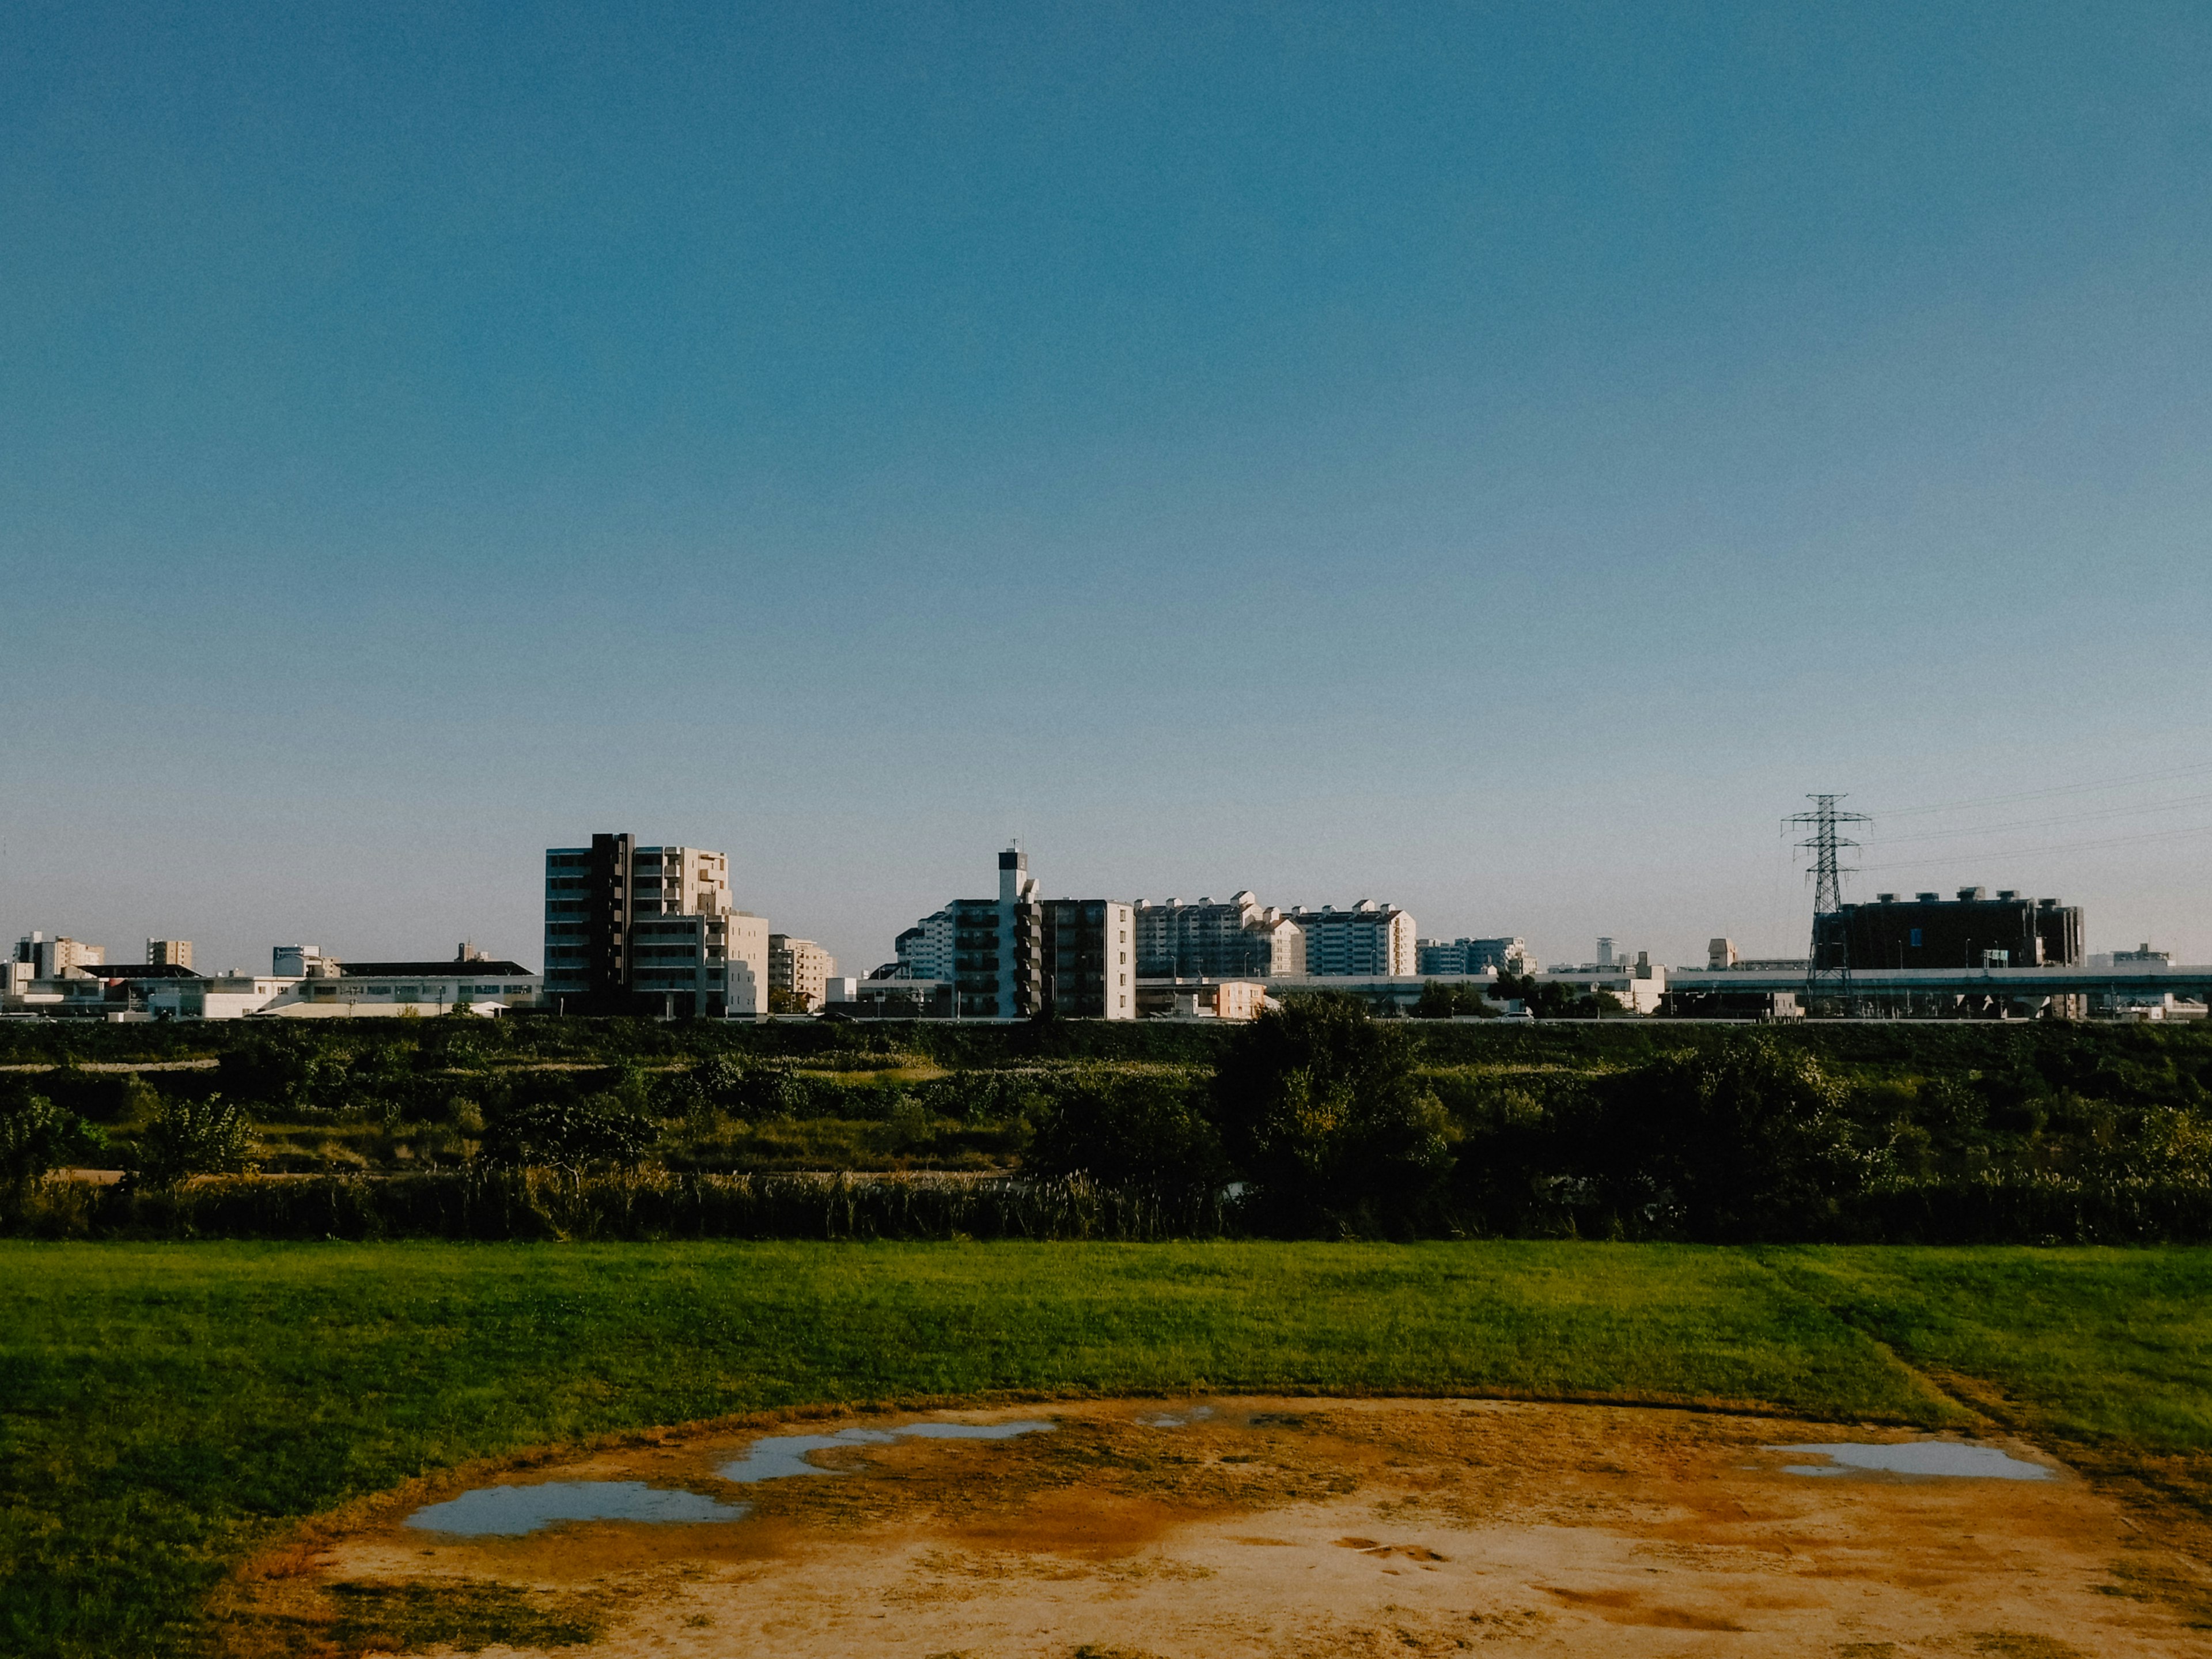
(2101, 1346)
(163, 1408)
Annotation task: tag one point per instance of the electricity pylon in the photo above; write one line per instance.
(1828, 964)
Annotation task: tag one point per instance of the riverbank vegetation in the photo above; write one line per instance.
(1318, 1122)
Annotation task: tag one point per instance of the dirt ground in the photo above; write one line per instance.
(1277, 1527)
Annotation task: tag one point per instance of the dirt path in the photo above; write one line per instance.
(1256, 1528)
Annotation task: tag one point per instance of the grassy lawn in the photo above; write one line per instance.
(164, 1408)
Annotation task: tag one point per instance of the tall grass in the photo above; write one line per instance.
(543, 1205)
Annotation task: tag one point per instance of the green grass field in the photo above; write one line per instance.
(166, 1408)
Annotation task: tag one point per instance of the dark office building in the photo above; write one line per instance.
(1079, 956)
(1970, 931)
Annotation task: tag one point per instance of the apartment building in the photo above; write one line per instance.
(51, 958)
(1475, 956)
(168, 953)
(1017, 955)
(799, 969)
(1373, 939)
(650, 930)
(1240, 938)
(923, 951)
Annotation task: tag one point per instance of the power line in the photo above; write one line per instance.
(2032, 852)
(2061, 789)
(2037, 823)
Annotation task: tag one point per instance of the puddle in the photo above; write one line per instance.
(779, 1455)
(1941, 1457)
(510, 1511)
(1177, 1419)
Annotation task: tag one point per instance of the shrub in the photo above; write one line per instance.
(1321, 1108)
(597, 1130)
(193, 1137)
(36, 1136)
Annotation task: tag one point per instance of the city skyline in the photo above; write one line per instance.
(1496, 464)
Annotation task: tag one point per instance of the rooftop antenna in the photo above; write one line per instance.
(1828, 963)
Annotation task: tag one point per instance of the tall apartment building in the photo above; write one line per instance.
(924, 951)
(1239, 940)
(650, 930)
(168, 953)
(1373, 939)
(51, 958)
(799, 969)
(1475, 956)
(1017, 954)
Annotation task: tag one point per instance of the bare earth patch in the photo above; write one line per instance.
(1229, 1529)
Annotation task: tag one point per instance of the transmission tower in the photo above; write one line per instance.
(1828, 964)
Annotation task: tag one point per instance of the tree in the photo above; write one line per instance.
(1442, 1001)
(1549, 1000)
(1322, 1109)
(37, 1137)
(194, 1137)
(1751, 1141)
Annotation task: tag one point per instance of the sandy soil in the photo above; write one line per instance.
(1294, 1528)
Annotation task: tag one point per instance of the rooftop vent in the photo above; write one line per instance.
(1885, 899)
(1970, 894)
(1929, 898)
(2007, 892)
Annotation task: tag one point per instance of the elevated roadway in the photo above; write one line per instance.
(2131, 980)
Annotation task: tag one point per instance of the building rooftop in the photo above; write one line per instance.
(478, 968)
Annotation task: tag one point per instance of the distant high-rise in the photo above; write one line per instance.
(1372, 940)
(51, 958)
(1475, 956)
(1019, 955)
(650, 930)
(1239, 940)
(799, 969)
(169, 953)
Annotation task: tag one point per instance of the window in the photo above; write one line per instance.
(1915, 938)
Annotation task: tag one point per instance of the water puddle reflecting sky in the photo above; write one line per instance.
(1930, 1457)
(1177, 1419)
(511, 1511)
(777, 1456)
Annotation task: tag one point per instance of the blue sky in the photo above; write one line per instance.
(1493, 459)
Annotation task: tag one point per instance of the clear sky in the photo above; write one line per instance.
(1494, 459)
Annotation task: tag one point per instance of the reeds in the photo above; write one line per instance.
(493, 1203)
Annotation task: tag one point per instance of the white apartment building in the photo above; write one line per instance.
(800, 969)
(1372, 940)
(1240, 938)
(650, 930)
(1017, 954)
(924, 951)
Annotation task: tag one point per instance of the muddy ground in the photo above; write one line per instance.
(1275, 1528)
